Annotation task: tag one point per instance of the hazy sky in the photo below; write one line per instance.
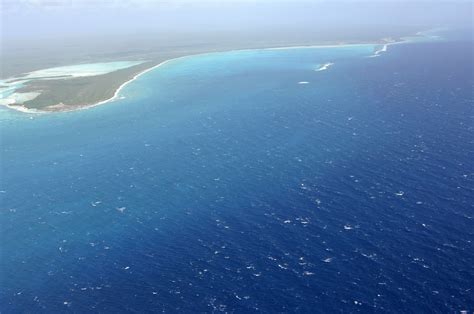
(55, 18)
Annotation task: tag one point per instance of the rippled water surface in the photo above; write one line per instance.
(249, 181)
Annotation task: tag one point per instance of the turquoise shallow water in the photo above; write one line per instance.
(221, 184)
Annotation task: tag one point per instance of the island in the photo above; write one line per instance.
(88, 84)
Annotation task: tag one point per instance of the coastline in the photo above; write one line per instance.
(59, 108)
(119, 89)
(115, 96)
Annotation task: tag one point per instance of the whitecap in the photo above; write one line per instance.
(324, 67)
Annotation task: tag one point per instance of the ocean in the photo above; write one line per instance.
(248, 181)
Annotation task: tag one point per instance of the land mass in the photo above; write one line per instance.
(75, 93)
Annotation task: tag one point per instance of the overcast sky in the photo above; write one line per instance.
(55, 18)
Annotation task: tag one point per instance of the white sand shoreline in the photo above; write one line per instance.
(119, 89)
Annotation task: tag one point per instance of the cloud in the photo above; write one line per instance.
(37, 4)
(22, 5)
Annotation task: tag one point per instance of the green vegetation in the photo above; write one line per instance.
(74, 93)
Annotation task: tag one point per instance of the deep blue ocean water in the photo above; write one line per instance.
(219, 183)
